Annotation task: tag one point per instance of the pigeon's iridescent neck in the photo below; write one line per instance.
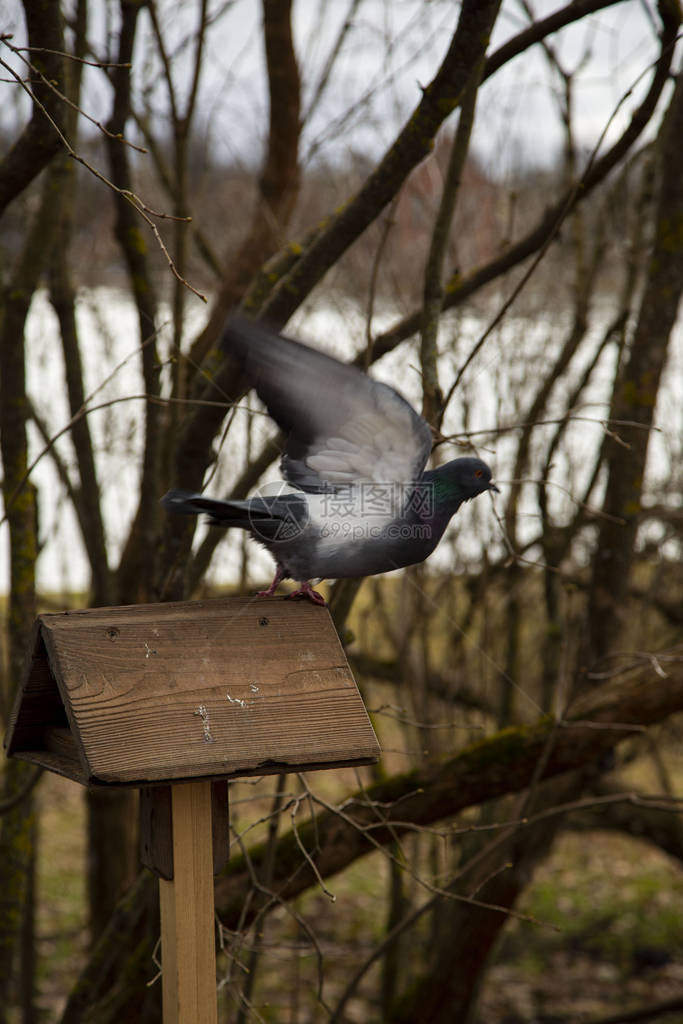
(446, 495)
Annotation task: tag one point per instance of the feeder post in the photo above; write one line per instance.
(188, 950)
(112, 697)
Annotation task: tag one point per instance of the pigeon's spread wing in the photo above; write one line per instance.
(342, 426)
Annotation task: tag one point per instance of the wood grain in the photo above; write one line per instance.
(234, 686)
(156, 829)
(188, 951)
(220, 824)
(37, 698)
(39, 728)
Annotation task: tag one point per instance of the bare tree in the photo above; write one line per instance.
(563, 616)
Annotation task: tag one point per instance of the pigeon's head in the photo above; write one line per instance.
(463, 479)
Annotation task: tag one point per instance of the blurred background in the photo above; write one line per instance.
(482, 205)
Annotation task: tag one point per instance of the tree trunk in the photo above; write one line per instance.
(635, 397)
(448, 991)
(22, 516)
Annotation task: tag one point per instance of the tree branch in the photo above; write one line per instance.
(440, 98)
(372, 818)
(433, 406)
(458, 288)
(136, 572)
(279, 180)
(38, 143)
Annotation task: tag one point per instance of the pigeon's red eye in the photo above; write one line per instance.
(477, 472)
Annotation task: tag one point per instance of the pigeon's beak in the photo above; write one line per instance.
(492, 487)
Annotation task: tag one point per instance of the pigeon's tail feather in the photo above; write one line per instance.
(221, 513)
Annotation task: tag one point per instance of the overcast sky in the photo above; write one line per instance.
(393, 47)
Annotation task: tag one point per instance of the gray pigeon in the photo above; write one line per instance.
(359, 500)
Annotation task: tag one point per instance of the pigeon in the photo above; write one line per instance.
(357, 500)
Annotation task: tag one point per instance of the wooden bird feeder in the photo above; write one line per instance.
(176, 699)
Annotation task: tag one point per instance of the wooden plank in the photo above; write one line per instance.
(39, 728)
(228, 687)
(188, 951)
(54, 763)
(156, 830)
(59, 740)
(37, 702)
(220, 824)
(156, 833)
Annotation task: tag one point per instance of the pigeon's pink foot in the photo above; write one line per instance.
(306, 590)
(273, 586)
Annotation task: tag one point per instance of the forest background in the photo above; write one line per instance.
(508, 251)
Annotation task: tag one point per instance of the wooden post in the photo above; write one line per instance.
(188, 951)
(273, 694)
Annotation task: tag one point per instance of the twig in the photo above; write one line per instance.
(275, 900)
(508, 427)
(266, 881)
(597, 512)
(335, 50)
(136, 202)
(433, 405)
(401, 716)
(389, 223)
(330, 895)
(86, 409)
(6, 36)
(410, 919)
(484, 654)
(563, 212)
(366, 830)
(459, 289)
(62, 96)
